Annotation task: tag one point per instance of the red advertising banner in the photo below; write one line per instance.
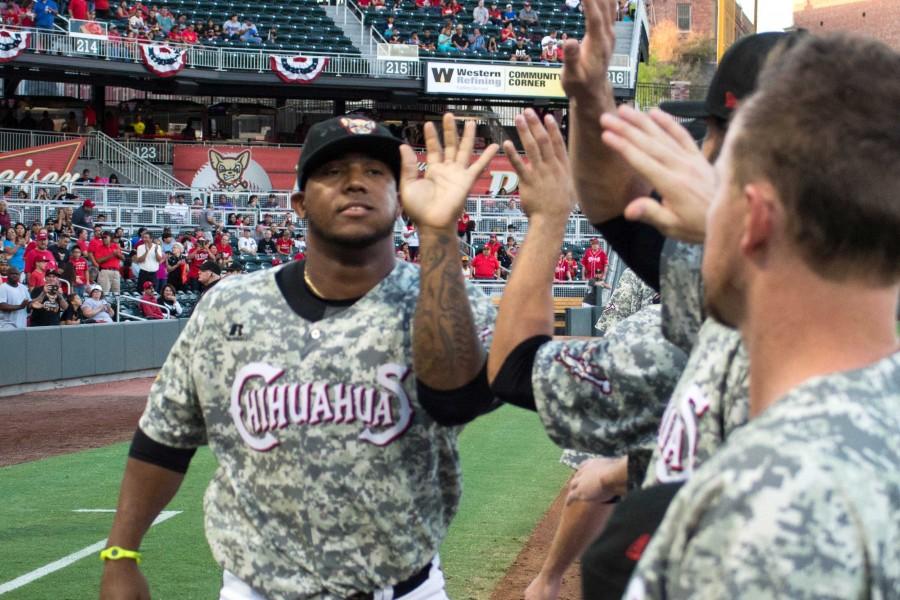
(251, 168)
(49, 163)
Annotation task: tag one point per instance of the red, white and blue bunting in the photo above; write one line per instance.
(12, 44)
(162, 59)
(298, 69)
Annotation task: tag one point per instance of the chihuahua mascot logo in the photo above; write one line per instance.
(230, 170)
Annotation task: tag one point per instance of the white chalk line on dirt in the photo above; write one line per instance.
(65, 561)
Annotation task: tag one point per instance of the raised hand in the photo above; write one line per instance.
(545, 181)
(664, 153)
(437, 200)
(585, 64)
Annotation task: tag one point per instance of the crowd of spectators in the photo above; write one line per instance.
(463, 31)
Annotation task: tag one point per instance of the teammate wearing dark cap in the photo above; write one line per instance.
(209, 274)
(338, 471)
(605, 183)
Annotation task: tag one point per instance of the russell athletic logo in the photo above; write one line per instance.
(383, 414)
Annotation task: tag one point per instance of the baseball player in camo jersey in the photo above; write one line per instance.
(338, 469)
(802, 501)
(524, 363)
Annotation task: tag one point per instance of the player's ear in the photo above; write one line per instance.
(760, 217)
(297, 203)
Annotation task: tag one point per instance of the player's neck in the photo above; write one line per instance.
(342, 273)
(800, 326)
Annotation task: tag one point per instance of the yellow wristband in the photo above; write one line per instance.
(117, 553)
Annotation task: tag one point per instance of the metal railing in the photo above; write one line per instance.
(198, 56)
(640, 22)
(255, 59)
(97, 146)
(130, 299)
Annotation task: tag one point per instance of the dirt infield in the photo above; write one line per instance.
(41, 424)
(528, 563)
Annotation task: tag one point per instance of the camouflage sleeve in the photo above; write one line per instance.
(484, 313)
(756, 534)
(681, 289)
(638, 463)
(606, 395)
(621, 302)
(173, 416)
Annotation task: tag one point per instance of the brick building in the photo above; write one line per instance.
(878, 18)
(699, 17)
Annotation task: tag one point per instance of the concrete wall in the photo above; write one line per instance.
(40, 354)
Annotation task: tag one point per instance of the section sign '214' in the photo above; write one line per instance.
(504, 80)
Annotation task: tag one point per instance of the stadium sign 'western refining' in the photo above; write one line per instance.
(502, 80)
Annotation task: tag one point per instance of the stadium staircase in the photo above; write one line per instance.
(351, 23)
(128, 166)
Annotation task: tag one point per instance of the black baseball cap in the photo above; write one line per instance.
(328, 140)
(212, 266)
(734, 80)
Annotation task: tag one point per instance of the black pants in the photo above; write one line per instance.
(608, 563)
(145, 276)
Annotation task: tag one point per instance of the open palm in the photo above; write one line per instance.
(438, 199)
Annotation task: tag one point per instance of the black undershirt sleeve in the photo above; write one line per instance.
(461, 405)
(638, 244)
(513, 381)
(150, 451)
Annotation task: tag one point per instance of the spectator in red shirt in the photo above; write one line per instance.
(285, 244)
(198, 255)
(572, 266)
(594, 261)
(223, 246)
(486, 265)
(493, 245)
(150, 311)
(108, 259)
(78, 9)
(36, 276)
(82, 272)
(464, 227)
(40, 250)
(101, 9)
(189, 35)
(562, 271)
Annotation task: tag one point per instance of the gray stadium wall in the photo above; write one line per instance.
(44, 354)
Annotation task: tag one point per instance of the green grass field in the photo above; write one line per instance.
(511, 474)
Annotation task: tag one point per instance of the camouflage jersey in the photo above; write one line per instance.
(332, 478)
(711, 398)
(630, 296)
(802, 502)
(605, 395)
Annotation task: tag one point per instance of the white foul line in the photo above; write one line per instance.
(75, 556)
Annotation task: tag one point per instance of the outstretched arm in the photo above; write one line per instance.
(526, 309)
(447, 351)
(604, 183)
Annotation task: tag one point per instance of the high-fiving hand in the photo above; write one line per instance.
(437, 200)
(585, 63)
(545, 181)
(664, 153)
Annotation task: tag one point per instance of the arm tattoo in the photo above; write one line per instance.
(447, 353)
